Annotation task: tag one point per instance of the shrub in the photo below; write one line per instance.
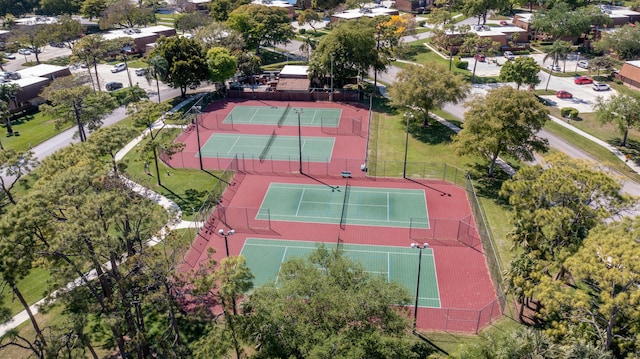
(129, 94)
(302, 31)
(569, 112)
(462, 65)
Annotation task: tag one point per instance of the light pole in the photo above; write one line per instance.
(415, 308)
(299, 111)
(226, 234)
(408, 116)
(197, 108)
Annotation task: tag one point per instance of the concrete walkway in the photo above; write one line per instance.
(172, 208)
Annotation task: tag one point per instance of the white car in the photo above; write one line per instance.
(121, 66)
(600, 87)
(583, 64)
(24, 52)
(509, 55)
(9, 56)
(555, 68)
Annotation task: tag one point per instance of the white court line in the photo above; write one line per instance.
(234, 145)
(284, 254)
(315, 243)
(300, 201)
(388, 207)
(255, 112)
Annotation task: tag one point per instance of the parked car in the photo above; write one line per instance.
(597, 86)
(141, 71)
(555, 68)
(509, 55)
(480, 57)
(9, 56)
(56, 44)
(563, 94)
(111, 86)
(24, 52)
(503, 23)
(583, 80)
(583, 64)
(121, 66)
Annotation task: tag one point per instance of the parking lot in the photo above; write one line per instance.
(104, 70)
(584, 97)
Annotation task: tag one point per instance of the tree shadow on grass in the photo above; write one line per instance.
(190, 202)
(435, 133)
(489, 187)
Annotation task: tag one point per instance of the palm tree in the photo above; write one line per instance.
(158, 69)
(560, 50)
(307, 45)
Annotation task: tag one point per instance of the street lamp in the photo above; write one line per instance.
(197, 109)
(415, 310)
(299, 111)
(408, 116)
(226, 234)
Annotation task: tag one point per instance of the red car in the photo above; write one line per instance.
(563, 94)
(583, 80)
(480, 57)
(503, 23)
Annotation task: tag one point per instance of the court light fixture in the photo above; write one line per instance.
(415, 308)
(226, 234)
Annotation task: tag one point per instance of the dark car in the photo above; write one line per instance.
(583, 80)
(563, 94)
(141, 71)
(111, 86)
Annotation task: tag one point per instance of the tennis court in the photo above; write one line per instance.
(314, 149)
(396, 264)
(284, 116)
(387, 207)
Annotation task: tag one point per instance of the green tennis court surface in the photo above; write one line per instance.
(387, 207)
(396, 264)
(314, 149)
(283, 115)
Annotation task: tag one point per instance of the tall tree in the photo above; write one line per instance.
(59, 7)
(622, 109)
(345, 53)
(36, 37)
(145, 114)
(309, 16)
(186, 62)
(559, 50)
(126, 14)
(523, 70)
(601, 63)
(191, 21)
(322, 296)
(554, 208)
(261, 25)
(91, 49)
(480, 8)
(475, 44)
(13, 166)
(505, 121)
(8, 93)
(623, 42)
(425, 88)
(227, 282)
(218, 34)
(66, 30)
(76, 103)
(17, 8)
(222, 65)
(561, 20)
(93, 8)
(606, 303)
(157, 70)
(109, 140)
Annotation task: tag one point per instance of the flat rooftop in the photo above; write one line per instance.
(294, 70)
(41, 70)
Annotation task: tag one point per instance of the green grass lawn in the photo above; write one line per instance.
(31, 130)
(31, 287)
(186, 187)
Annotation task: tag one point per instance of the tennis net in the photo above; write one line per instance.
(284, 115)
(345, 203)
(266, 148)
